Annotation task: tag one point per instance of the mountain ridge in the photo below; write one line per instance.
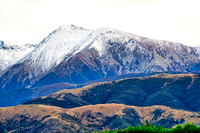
(179, 91)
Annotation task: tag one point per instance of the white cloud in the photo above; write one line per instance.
(32, 20)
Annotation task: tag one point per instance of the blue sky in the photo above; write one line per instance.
(29, 21)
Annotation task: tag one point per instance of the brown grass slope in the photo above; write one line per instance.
(38, 118)
(43, 118)
(180, 91)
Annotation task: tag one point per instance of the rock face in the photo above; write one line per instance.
(120, 59)
(76, 55)
(42, 118)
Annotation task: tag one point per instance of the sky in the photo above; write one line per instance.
(29, 21)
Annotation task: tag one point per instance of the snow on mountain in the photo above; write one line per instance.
(76, 55)
(112, 52)
(66, 40)
(129, 51)
(198, 50)
(11, 53)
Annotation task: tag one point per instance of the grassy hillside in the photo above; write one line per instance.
(180, 91)
(42, 118)
(38, 118)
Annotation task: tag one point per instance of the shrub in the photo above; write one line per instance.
(150, 128)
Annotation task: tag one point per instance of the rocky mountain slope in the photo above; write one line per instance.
(11, 53)
(76, 55)
(42, 118)
(180, 91)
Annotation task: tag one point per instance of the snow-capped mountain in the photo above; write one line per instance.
(114, 52)
(76, 55)
(11, 53)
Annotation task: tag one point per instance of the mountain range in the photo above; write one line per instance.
(76, 56)
(79, 80)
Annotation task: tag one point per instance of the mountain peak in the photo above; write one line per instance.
(109, 30)
(71, 28)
